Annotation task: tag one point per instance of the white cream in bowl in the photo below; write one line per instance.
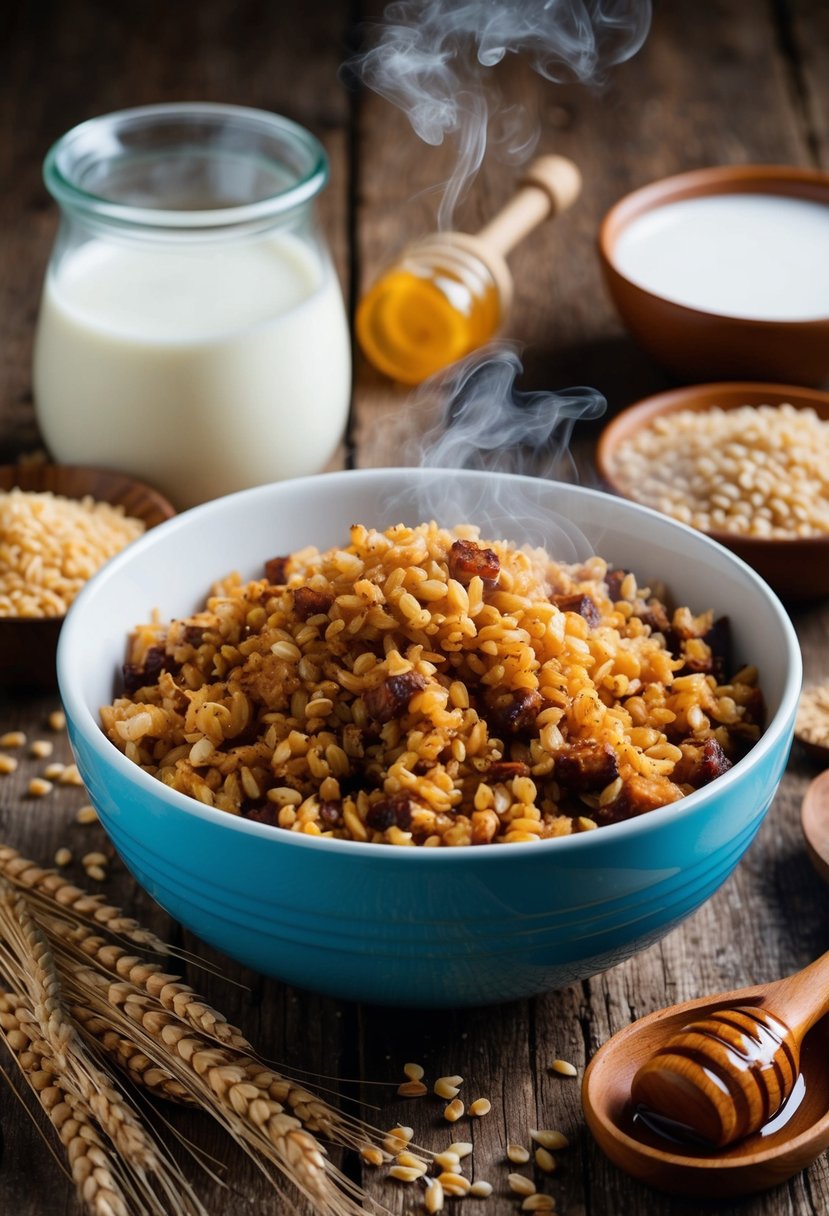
(761, 257)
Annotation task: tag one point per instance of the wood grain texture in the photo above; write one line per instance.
(723, 82)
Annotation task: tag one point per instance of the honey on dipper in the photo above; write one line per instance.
(449, 293)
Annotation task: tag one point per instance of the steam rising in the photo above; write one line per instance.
(434, 59)
(489, 423)
(486, 423)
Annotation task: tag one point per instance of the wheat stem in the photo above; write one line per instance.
(79, 1072)
(92, 1167)
(64, 896)
(162, 1033)
(216, 1077)
(178, 998)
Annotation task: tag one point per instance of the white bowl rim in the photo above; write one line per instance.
(83, 720)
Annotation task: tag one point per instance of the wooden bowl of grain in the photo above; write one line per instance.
(58, 525)
(746, 463)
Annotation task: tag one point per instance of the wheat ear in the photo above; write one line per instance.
(169, 990)
(106, 1184)
(86, 1093)
(55, 890)
(178, 998)
(213, 1075)
(129, 1057)
(37, 969)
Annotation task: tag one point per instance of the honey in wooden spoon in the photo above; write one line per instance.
(677, 1157)
(449, 293)
(725, 1076)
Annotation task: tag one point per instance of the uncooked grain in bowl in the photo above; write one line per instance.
(425, 687)
(51, 545)
(755, 470)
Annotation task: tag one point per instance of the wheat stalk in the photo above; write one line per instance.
(62, 895)
(36, 968)
(178, 998)
(215, 1077)
(107, 1183)
(160, 1032)
(129, 1057)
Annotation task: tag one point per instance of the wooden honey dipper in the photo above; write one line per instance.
(723, 1077)
(449, 293)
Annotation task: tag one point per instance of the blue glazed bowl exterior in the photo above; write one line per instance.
(427, 927)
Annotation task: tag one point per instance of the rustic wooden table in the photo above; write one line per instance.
(728, 81)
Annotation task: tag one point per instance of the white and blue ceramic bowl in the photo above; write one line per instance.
(421, 927)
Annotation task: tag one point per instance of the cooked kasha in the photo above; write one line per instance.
(405, 691)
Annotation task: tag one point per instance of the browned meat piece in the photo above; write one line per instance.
(136, 676)
(613, 580)
(582, 604)
(514, 713)
(193, 635)
(700, 763)
(395, 811)
(308, 602)
(586, 767)
(264, 812)
(656, 616)
(466, 559)
(505, 770)
(718, 640)
(275, 569)
(638, 796)
(391, 698)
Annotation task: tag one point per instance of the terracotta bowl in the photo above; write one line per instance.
(797, 568)
(698, 345)
(27, 646)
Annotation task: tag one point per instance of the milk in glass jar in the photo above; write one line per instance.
(192, 329)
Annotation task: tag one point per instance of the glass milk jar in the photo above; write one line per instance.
(192, 330)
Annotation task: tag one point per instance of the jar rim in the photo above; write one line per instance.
(84, 137)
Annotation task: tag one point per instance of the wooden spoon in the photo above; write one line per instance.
(814, 819)
(400, 325)
(781, 1147)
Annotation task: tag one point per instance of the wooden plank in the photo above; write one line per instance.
(97, 59)
(660, 113)
(803, 27)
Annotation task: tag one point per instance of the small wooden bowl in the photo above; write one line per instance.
(797, 567)
(763, 1160)
(814, 821)
(698, 345)
(28, 645)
